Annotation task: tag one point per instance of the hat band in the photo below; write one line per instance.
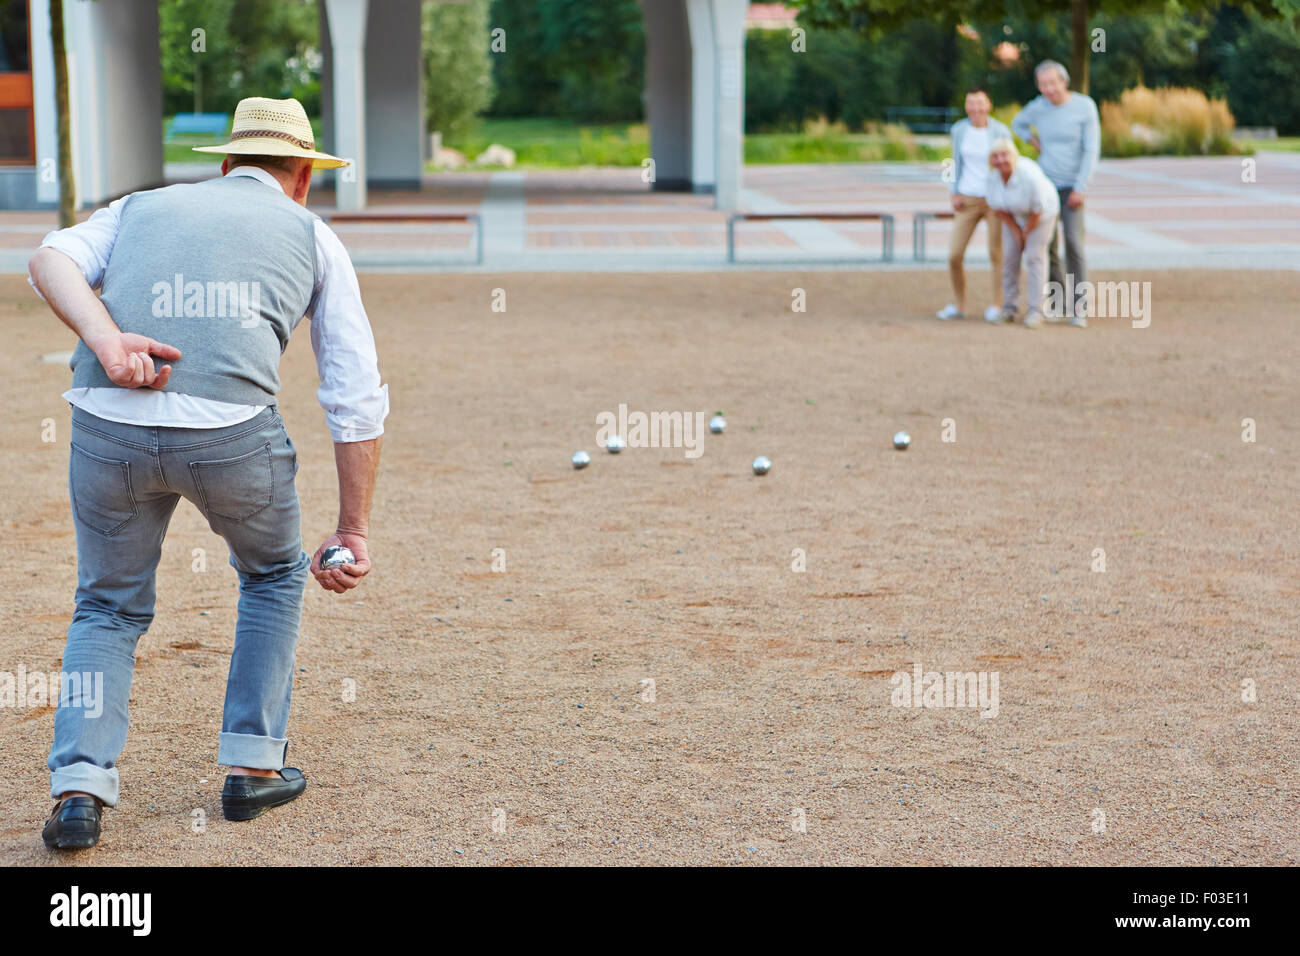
(272, 134)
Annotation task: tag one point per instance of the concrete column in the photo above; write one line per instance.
(130, 74)
(394, 69)
(326, 141)
(668, 91)
(85, 104)
(43, 104)
(347, 33)
(729, 97)
(704, 81)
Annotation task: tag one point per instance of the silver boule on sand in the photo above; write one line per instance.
(902, 440)
(762, 465)
(580, 460)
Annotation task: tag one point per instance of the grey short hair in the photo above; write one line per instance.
(1004, 145)
(286, 164)
(1053, 65)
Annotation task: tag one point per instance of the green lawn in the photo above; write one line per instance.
(1283, 144)
(544, 143)
(179, 150)
(552, 143)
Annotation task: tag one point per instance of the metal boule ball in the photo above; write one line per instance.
(717, 424)
(335, 556)
(762, 465)
(580, 459)
(614, 444)
(902, 440)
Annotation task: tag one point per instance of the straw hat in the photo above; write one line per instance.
(265, 127)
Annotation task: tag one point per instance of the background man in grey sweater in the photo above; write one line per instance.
(1065, 129)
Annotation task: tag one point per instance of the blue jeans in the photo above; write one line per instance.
(124, 482)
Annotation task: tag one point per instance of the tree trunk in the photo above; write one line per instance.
(67, 182)
(1079, 45)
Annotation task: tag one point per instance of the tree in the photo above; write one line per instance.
(67, 182)
(1156, 49)
(570, 57)
(247, 48)
(1261, 75)
(877, 16)
(457, 65)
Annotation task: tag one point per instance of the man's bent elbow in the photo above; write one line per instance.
(38, 266)
(35, 263)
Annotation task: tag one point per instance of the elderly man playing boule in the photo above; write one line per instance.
(1064, 128)
(174, 392)
(1027, 203)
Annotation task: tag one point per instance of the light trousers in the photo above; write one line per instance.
(964, 221)
(1033, 255)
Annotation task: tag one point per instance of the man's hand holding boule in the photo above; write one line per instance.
(347, 576)
(357, 463)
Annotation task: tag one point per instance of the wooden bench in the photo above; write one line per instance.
(886, 226)
(390, 217)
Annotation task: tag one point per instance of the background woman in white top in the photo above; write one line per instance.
(1028, 205)
(971, 139)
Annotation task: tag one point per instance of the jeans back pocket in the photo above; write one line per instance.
(235, 488)
(100, 489)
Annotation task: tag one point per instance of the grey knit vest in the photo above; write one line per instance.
(222, 270)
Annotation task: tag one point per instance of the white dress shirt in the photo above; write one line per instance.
(1027, 191)
(351, 393)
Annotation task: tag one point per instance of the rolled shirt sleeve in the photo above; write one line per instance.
(88, 244)
(353, 397)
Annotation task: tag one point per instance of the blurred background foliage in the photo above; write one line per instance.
(573, 63)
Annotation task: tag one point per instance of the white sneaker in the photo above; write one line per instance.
(1079, 322)
(1033, 321)
(993, 314)
(949, 311)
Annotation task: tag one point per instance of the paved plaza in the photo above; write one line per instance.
(1204, 212)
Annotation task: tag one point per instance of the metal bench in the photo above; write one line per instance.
(391, 217)
(918, 231)
(886, 226)
(202, 124)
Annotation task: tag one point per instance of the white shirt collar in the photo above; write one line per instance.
(258, 173)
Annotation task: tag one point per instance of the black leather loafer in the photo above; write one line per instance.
(74, 824)
(244, 797)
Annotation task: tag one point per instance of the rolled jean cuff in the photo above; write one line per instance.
(250, 750)
(87, 778)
